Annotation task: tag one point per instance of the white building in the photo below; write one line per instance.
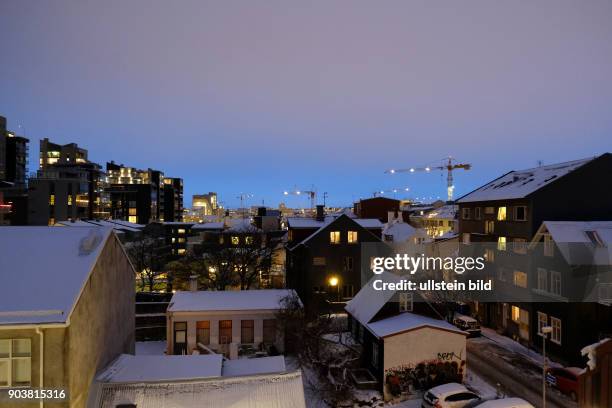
(232, 323)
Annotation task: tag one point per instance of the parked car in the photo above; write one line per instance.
(565, 379)
(505, 403)
(452, 395)
(467, 324)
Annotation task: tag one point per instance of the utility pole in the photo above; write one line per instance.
(545, 331)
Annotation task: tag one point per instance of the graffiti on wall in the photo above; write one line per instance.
(448, 367)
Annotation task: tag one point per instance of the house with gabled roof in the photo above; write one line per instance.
(66, 307)
(324, 257)
(401, 349)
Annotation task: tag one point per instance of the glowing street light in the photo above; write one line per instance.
(333, 281)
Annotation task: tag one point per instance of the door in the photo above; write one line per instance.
(180, 338)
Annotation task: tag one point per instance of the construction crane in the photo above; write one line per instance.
(450, 165)
(390, 191)
(312, 194)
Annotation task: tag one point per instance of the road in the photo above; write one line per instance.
(517, 378)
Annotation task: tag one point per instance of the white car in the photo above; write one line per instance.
(505, 403)
(452, 395)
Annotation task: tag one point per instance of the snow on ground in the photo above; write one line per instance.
(481, 386)
(515, 347)
(150, 348)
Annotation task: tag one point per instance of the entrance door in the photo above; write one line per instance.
(180, 338)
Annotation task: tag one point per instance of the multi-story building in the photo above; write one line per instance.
(67, 186)
(66, 297)
(143, 196)
(378, 207)
(324, 257)
(441, 221)
(506, 213)
(13, 176)
(205, 204)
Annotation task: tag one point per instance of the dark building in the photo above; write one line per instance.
(324, 257)
(507, 212)
(67, 186)
(143, 196)
(376, 207)
(13, 176)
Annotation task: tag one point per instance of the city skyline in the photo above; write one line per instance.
(234, 98)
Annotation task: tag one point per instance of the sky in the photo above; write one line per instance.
(258, 97)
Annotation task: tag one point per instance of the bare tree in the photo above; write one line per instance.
(148, 254)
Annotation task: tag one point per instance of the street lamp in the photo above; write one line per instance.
(544, 332)
(333, 282)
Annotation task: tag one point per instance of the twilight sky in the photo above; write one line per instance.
(261, 96)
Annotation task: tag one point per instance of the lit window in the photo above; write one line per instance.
(501, 214)
(489, 255)
(181, 230)
(520, 213)
(132, 211)
(133, 219)
(501, 243)
(520, 279)
(555, 335)
(542, 321)
(181, 251)
(52, 199)
(248, 240)
(69, 199)
(405, 302)
(352, 237)
(334, 237)
(235, 240)
(15, 362)
(489, 227)
(516, 314)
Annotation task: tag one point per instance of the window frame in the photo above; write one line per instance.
(10, 359)
(542, 323)
(466, 213)
(334, 237)
(556, 335)
(406, 302)
(515, 213)
(249, 326)
(352, 237)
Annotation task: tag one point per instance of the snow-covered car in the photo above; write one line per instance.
(505, 403)
(452, 395)
(467, 324)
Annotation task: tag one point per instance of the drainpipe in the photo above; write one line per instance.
(41, 353)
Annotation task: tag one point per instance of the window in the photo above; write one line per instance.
(235, 240)
(520, 279)
(555, 283)
(203, 332)
(247, 331)
(225, 331)
(334, 237)
(388, 237)
(465, 213)
(133, 219)
(352, 237)
(519, 245)
(248, 240)
(348, 263)
(375, 354)
(52, 199)
(405, 302)
(477, 213)
(348, 291)
(542, 321)
(542, 279)
(181, 230)
(520, 213)
(555, 335)
(319, 261)
(181, 251)
(70, 199)
(489, 255)
(132, 211)
(15, 362)
(501, 243)
(489, 227)
(269, 330)
(549, 248)
(489, 210)
(501, 214)
(180, 337)
(465, 237)
(516, 314)
(463, 397)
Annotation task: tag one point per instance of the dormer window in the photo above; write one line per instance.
(405, 302)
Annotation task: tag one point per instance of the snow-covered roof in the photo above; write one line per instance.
(240, 225)
(506, 403)
(178, 223)
(521, 183)
(279, 390)
(576, 231)
(310, 222)
(399, 230)
(205, 301)
(50, 265)
(368, 301)
(209, 226)
(407, 321)
(445, 212)
(127, 224)
(369, 222)
(144, 368)
(250, 366)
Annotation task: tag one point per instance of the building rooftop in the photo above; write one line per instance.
(51, 266)
(521, 183)
(251, 366)
(256, 299)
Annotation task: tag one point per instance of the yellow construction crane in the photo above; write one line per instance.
(450, 165)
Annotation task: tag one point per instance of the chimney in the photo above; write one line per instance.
(320, 212)
(193, 283)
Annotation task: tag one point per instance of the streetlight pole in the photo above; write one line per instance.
(545, 330)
